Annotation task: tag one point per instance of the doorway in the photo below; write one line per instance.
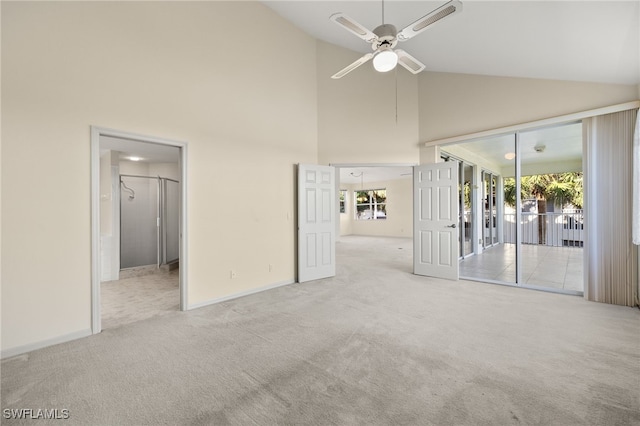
(138, 223)
(375, 211)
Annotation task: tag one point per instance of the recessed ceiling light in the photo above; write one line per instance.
(510, 155)
(135, 158)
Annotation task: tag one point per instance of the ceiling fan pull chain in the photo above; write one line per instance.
(396, 76)
(382, 12)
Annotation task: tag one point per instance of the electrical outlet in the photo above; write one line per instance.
(232, 274)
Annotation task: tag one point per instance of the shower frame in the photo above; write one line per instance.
(161, 217)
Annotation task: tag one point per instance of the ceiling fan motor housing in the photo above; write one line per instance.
(386, 36)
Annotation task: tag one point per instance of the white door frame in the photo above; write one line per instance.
(96, 133)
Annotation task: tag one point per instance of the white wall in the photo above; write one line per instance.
(460, 151)
(399, 221)
(138, 168)
(165, 170)
(459, 104)
(250, 105)
(357, 113)
(1, 183)
(245, 101)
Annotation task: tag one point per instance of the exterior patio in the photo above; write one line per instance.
(542, 266)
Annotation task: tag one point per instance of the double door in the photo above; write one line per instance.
(436, 213)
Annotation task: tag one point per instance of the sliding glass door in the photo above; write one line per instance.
(486, 254)
(521, 215)
(466, 205)
(467, 210)
(490, 199)
(552, 215)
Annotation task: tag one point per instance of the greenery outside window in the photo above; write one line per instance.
(562, 189)
(371, 204)
(343, 201)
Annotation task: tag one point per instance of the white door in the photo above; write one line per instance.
(435, 219)
(316, 222)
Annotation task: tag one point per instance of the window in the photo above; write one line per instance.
(343, 201)
(371, 204)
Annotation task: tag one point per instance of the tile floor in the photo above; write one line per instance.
(555, 267)
(139, 297)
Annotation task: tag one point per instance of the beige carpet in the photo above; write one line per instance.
(375, 345)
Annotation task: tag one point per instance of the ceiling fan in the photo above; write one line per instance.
(385, 37)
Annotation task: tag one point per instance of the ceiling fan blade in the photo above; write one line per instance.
(346, 70)
(409, 62)
(431, 18)
(352, 26)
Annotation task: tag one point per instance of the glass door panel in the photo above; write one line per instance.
(544, 217)
(138, 221)
(494, 209)
(552, 215)
(171, 222)
(486, 180)
(467, 209)
(489, 256)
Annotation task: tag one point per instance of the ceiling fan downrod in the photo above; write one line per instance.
(384, 38)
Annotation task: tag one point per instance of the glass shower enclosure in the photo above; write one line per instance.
(149, 221)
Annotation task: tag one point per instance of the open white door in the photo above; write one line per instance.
(435, 218)
(316, 222)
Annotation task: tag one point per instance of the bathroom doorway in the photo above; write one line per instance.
(138, 211)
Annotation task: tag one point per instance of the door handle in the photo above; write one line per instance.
(451, 226)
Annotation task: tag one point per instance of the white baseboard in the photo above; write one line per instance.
(237, 295)
(7, 353)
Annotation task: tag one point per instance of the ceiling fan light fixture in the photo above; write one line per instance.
(385, 60)
(383, 39)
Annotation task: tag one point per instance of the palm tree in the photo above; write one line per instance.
(564, 188)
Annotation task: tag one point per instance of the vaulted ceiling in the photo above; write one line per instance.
(597, 41)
